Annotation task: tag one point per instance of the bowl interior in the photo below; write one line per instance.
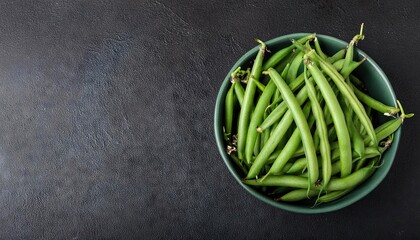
(379, 88)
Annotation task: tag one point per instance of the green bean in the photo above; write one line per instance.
(297, 195)
(319, 50)
(322, 131)
(247, 103)
(277, 96)
(229, 108)
(286, 61)
(301, 123)
(351, 180)
(375, 104)
(260, 86)
(337, 56)
(338, 117)
(257, 144)
(338, 65)
(391, 126)
(239, 89)
(345, 71)
(294, 68)
(332, 196)
(279, 181)
(279, 55)
(335, 184)
(239, 92)
(297, 166)
(257, 118)
(287, 167)
(348, 93)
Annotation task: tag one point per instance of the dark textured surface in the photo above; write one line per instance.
(106, 118)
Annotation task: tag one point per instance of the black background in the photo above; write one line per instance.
(106, 118)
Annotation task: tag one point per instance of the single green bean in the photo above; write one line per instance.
(375, 104)
(260, 86)
(332, 196)
(301, 123)
(346, 70)
(239, 89)
(335, 184)
(294, 68)
(322, 131)
(297, 166)
(338, 64)
(297, 195)
(337, 56)
(353, 65)
(257, 144)
(229, 108)
(239, 92)
(319, 50)
(247, 103)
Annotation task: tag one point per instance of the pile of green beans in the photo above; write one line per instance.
(300, 125)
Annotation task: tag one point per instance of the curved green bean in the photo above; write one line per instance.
(319, 50)
(294, 68)
(322, 131)
(337, 56)
(245, 112)
(229, 108)
(375, 104)
(297, 195)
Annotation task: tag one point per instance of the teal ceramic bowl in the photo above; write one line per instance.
(378, 86)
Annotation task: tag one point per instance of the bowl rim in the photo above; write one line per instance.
(347, 200)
